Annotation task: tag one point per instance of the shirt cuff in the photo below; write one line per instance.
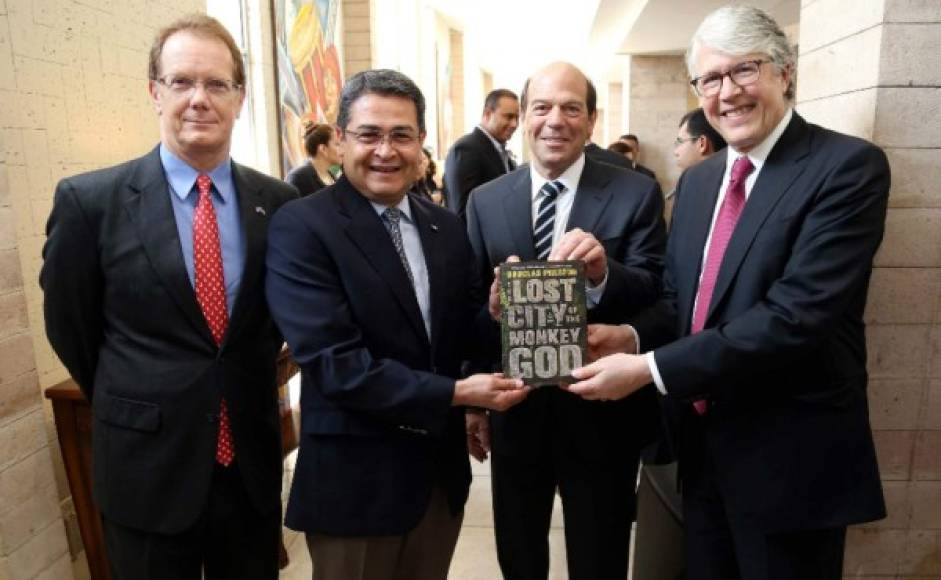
(593, 294)
(655, 372)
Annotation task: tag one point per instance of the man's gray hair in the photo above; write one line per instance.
(739, 30)
(383, 82)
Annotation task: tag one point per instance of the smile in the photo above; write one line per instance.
(737, 111)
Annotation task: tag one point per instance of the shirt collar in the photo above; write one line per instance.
(569, 178)
(760, 153)
(182, 177)
(500, 146)
(403, 206)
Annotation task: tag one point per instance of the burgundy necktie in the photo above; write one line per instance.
(728, 216)
(210, 293)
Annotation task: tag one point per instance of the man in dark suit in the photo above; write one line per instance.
(564, 206)
(375, 293)
(766, 278)
(481, 155)
(154, 302)
(633, 144)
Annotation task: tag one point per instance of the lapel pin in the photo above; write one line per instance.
(434, 227)
(261, 210)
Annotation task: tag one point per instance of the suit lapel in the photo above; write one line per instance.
(779, 172)
(254, 219)
(591, 197)
(368, 233)
(150, 209)
(518, 215)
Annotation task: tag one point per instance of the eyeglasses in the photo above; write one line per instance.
(371, 138)
(679, 140)
(182, 86)
(743, 74)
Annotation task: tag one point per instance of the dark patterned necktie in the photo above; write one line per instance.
(210, 293)
(391, 218)
(545, 218)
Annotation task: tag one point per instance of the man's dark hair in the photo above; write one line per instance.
(619, 147)
(629, 137)
(697, 125)
(591, 96)
(493, 98)
(384, 82)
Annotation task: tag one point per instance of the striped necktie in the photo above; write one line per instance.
(544, 226)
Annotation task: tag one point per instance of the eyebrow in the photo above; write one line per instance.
(367, 127)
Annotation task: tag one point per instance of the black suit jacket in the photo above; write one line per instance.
(122, 316)
(472, 161)
(783, 355)
(305, 179)
(624, 211)
(378, 429)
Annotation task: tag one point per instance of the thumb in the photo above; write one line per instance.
(587, 371)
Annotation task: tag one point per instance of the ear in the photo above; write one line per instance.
(238, 112)
(591, 122)
(155, 96)
(702, 145)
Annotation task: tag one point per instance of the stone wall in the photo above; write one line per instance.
(73, 93)
(658, 98)
(872, 69)
(357, 36)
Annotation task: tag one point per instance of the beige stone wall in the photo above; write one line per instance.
(657, 100)
(357, 36)
(873, 69)
(73, 94)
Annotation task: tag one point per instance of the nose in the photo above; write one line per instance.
(728, 88)
(384, 148)
(555, 116)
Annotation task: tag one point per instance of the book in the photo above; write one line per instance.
(544, 320)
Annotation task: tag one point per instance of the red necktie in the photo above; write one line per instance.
(729, 213)
(210, 293)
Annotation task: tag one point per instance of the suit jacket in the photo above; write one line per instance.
(378, 429)
(783, 355)
(644, 171)
(305, 179)
(624, 211)
(122, 315)
(472, 161)
(606, 156)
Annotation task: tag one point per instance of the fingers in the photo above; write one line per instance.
(587, 371)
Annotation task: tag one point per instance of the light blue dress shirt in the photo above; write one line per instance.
(411, 241)
(183, 196)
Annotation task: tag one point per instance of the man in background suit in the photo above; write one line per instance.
(593, 151)
(154, 302)
(633, 144)
(565, 206)
(481, 155)
(696, 141)
(375, 293)
(766, 277)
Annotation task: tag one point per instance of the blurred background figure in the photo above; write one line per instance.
(323, 152)
(696, 140)
(633, 154)
(426, 182)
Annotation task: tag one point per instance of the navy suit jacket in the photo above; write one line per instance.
(472, 161)
(624, 211)
(783, 356)
(122, 315)
(378, 428)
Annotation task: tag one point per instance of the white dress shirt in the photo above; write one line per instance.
(563, 208)
(757, 156)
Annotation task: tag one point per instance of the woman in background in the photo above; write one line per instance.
(323, 149)
(426, 185)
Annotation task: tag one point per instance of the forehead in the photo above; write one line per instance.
(185, 49)
(383, 111)
(558, 85)
(709, 59)
(507, 104)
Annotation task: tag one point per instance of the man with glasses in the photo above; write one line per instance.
(153, 281)
(758, 344)
(376, 294)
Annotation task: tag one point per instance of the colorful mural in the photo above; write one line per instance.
(308, 70)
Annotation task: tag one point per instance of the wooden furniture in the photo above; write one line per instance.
(73, 424)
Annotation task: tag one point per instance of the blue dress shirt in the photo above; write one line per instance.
(183, 196)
